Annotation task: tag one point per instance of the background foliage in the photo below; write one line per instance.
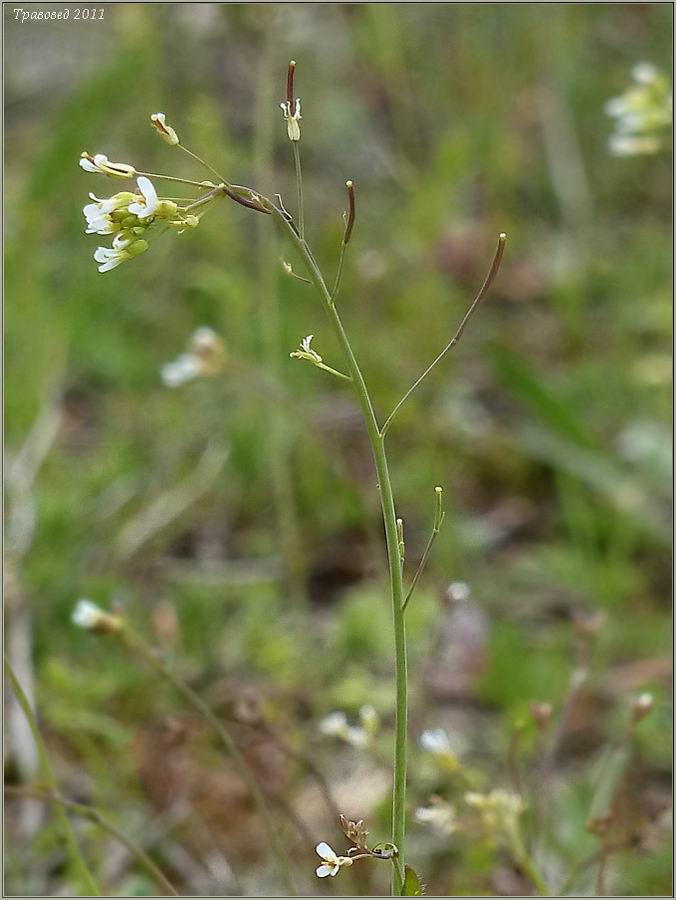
(235, 520)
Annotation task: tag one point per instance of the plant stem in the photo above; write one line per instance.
(376, 439)
(136, 644)
(299, 189)
(93, 815)
(492, 272)
(280, 437)
(201, 162)
(74, 851)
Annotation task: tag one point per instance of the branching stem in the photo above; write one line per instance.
(439, 517)
(136, 645)
(93, 815)
(376, 439)
(492, 272)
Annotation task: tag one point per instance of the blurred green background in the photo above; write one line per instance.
(235, 519)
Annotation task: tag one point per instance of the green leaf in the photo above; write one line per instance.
(413, 886)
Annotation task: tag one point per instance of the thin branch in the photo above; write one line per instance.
(492, 272)
(93, 815)
(201, 161)
(70, 839)
(349, 218)
(135, 644)
(439, 517)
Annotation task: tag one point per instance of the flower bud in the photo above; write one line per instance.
(166, 132)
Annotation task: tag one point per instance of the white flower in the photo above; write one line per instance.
(145, 205)
(633, 145)
(292, 118)
(306, 352)
(166, 132)
(331, 864)
(334, 725)
(205, 356)
(127, 248)
(99, 213)
(184, 368)
(642, 705)
(439, 815)
(644, 73)
(641, 113)
(100, 163)
(499, 811)
(357, 738)
(91, 617)
(437, 742)
(459, 591)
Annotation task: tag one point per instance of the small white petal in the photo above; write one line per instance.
(181, 370)
(323, 871)
(325, 852)
(86, 614)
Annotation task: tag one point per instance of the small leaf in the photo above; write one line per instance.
(412, 884)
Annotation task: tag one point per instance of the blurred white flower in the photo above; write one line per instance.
(336, 725)
(499, 812)
(459, 591)
(331, 863)
(437, 742)
(439, 815)
(166, 132)
(100, 163)
(91, 617)
(642, 113)
(205, 356)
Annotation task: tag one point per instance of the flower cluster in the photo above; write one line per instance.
(642, 113)
(204, 357)
(130, 215)
(498, 811)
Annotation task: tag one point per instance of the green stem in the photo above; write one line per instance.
(280, 438)
(135, 644)
(333, 371)
(339, 272)
(299, 189)
(376, 439)
(488, 281)
(93, 815)
(201, 161)
(525, 862)
(68, 833)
